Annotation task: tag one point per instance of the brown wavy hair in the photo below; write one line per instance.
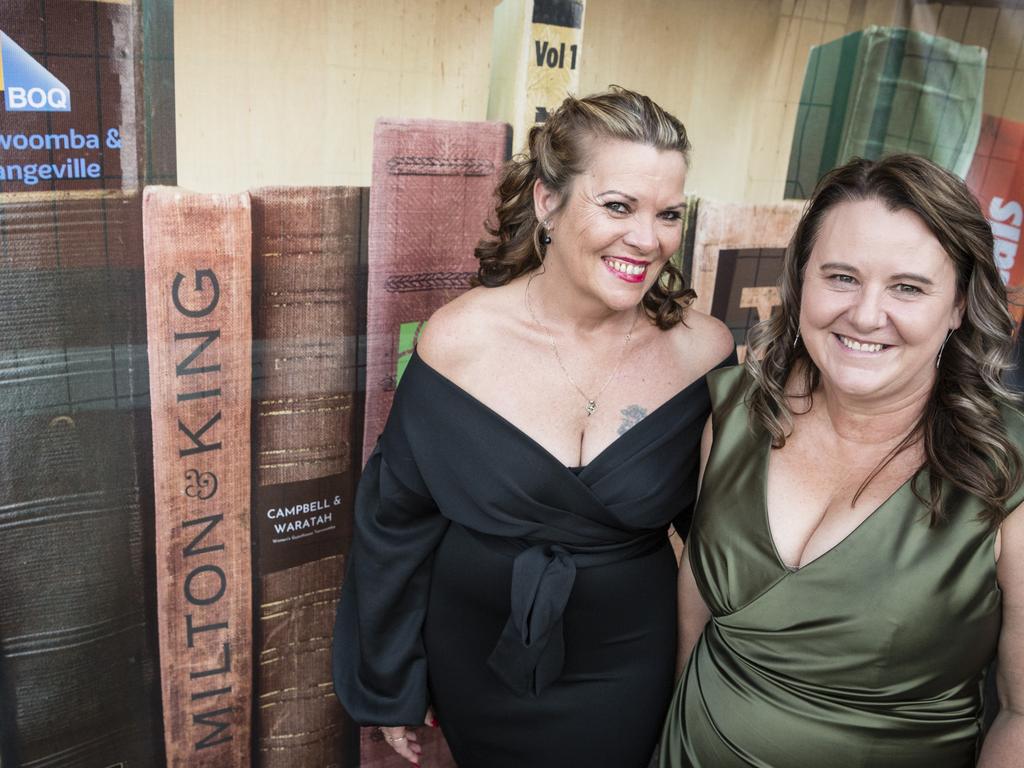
(557, 154)
(964, 439)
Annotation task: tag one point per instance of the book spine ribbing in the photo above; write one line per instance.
(306, 243)
(198, 308)
(433, 189)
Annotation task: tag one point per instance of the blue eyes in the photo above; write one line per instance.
(623, 209)
(845, 279)
(849, 281)
(907, 289)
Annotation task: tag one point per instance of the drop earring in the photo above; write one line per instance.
(546, 237)
(796, 340)
(938, 358)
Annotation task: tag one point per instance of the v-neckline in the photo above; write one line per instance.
(581, 469)
(766, 521)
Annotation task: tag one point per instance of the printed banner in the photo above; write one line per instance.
(69, 116)
(552, 69)
(884, 90)
(736, 261)
(198, 302)
(307, 429)
(79, 670)
(997, 178)
(433, 188)
(298, 523)
(536, 62)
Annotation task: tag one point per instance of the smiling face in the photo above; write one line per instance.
(620, 222)
(879, 296)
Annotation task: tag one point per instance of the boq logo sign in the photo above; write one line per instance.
(27, 85)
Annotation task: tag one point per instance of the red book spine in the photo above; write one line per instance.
(198, 310)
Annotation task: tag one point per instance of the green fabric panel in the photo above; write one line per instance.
(849, 47)
(812, 119)
(888, 58)
(886, 90)
(822, 113)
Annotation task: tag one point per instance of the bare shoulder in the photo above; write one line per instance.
(1010, 546)
(704, 339)
(454, 334)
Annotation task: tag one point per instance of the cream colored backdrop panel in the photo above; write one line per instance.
(286, 91)
(732, 70)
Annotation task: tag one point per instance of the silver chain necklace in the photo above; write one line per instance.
(591, 405)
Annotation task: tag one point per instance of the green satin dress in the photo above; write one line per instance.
(871, 655)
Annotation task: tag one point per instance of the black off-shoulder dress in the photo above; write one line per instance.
(532, 604)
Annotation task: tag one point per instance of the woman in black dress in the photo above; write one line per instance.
(511, 566)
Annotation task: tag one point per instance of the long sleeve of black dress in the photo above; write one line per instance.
(380, 671)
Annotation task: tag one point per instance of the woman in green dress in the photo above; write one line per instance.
(856, 560)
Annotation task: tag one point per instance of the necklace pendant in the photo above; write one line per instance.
(591, 406)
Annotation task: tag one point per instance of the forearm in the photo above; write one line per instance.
(693, 615)
(1004, 743)
(689, 634)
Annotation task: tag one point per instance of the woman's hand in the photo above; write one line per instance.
(403, 741)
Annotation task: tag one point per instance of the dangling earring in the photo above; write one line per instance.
(938, 359)
(797, 339)
(546, 237)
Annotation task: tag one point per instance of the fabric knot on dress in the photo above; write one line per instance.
(531, 649)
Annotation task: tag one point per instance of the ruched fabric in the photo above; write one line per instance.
(873, 654)
(451, 483)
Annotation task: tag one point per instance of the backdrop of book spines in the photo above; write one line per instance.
(78, 677)
(306, 246)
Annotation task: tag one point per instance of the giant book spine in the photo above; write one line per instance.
(737, 259)
(77, 651)
(306, 448)
(537, 46)
(78, 659)
(198, 310)
(432, 190)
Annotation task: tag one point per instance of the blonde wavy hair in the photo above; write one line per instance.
(557, 154)
(964, 439)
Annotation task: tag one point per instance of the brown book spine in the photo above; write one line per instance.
(79, 685)
(433, 189)
(306, 244)
(78, 676)
(198, 310)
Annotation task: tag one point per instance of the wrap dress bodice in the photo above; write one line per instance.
(873, 654)
(446, 460)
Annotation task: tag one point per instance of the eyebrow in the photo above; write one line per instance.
(617, 192)
(912, 276)
(630, 198)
